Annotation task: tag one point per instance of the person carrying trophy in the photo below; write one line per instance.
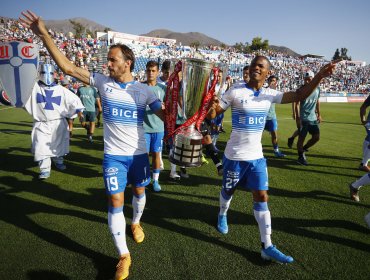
(125, 157)
(244, 164)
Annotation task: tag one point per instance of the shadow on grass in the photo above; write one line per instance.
(78, 164)
(160, 210)
(290, 163)
(46, 275)
(21, 212)
(20, 123)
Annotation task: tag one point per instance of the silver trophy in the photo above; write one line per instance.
(187, 142)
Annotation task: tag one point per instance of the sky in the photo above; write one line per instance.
(307, 27)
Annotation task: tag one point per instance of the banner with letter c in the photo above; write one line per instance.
(19, 63)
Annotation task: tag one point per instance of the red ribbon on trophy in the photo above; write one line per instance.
(171, 100)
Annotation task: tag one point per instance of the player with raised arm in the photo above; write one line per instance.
(125, 157)
(243, 163)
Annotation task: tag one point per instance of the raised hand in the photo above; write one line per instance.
(328, 69)
(33, 22)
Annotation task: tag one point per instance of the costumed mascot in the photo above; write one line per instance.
(49, 105)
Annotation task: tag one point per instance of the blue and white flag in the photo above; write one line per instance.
(19, 63)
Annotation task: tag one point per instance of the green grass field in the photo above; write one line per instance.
(57, 229)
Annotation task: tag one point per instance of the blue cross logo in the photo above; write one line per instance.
(48, 99)
(19, 63)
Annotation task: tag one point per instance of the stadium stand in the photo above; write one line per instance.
(350, 78)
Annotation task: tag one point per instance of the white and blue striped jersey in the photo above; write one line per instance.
(123, 112)
(248, 114)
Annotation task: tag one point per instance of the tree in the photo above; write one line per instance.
(342, 54)
(78, 28)
(336, 55)
(239, 47)
(258, 44)
(89, 32)
(195, 44)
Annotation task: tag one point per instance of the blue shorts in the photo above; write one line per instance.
(119, 171)
(311, 127)
(251, 174)
(271, 125)
(154, 142)
(88, 116)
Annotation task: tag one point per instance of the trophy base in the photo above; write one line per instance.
(187, 148)
(185, 164)
(187, 155)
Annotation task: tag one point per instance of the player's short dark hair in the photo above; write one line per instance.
(245, 67)
(152, 63)
(272, 77)
(166, 65)
(127, 53)
(263, 57)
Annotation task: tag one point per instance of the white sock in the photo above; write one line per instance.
(173, 168)
(45, 165)
(364, 180)
(224, 204)
(138, 205)
(263, 219)
(117, 227)
(366, 153)
(155, 176)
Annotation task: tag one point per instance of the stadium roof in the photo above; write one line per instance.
(311, 55)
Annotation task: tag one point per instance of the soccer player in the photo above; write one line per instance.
(125, 157)
(309, 118)
(366, 144)
(243, 163)
(165, 69)
(271, 120)
(153, 125)
(246, 73)
(49, 105)
(90, 98)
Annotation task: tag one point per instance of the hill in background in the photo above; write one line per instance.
(185, 38)
(284, 50)
(188, 38)
(66, 26)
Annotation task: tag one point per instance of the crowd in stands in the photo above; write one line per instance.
(89, 53)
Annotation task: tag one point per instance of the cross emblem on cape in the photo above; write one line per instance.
(48, 99)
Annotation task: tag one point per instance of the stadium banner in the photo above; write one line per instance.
(348, 99)
(125, 38)
(19, 63)
(356, 98)
(339, 99)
